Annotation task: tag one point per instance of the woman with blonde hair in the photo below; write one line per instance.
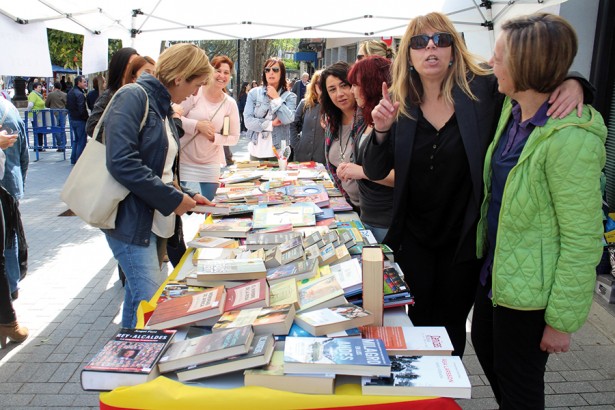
(144, 159)
(307, 134)
(375, 48)
(211, 121)
(434, 130)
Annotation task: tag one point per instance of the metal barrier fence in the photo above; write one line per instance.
(52, 122)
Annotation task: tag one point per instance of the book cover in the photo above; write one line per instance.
(320, 322)
(393, 281)
(284, 292)
(211, 242)
(297, 270)
(206, 254)
(208, 348)
(188, 309)
(257, 240)
(280, 215)
(225, 209)
(266, 320)
(351, 356)
(442, 376)
(349, 275)
(252, 294)
(410, 341)
(259, 354)
(338, 203)
(273, 377)
(130, 358)
(231, 269)
(319, 293)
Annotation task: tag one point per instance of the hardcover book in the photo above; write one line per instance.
(273, 377)
(188, 309)
(333, 319)
(130, 358)
(231, 269)
(351, 356)
(259, 354)
(253, 294)
(208, 348)
(411, 341)
(320, 293)
(266, 320)
(442, 376)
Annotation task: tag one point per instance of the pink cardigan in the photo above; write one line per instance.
(197, 149)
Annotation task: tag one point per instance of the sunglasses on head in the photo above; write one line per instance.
(439, 39)
(360, 57)
(275, 69)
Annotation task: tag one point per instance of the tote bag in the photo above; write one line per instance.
(90, 191)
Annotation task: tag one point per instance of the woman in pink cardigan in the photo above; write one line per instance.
(210, 119)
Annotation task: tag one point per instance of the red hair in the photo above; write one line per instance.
(217, 61)
(369, 74)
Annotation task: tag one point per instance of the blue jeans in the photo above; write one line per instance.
(143, 274)
(78, 128)
(59, 138)
(208, 189)
(379, 233)
(11, 263)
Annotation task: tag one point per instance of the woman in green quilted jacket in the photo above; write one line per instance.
(541, 219)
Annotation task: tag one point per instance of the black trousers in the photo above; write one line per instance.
(443, 289)
(507, 343)
(7, 313)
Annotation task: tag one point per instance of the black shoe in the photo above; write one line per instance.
(60, 150)
(15, 295)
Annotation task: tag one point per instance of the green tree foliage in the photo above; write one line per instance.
(65, 48)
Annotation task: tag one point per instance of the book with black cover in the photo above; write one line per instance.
(130, 358)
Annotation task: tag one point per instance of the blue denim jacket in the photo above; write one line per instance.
(136, 158)
(258, 105)
(17, 157)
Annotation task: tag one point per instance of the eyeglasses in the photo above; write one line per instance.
(275, 69)
(439, 39)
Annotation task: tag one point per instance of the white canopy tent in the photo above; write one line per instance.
(144, 23)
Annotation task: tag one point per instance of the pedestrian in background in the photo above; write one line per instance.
(78, 115)
(57, 100)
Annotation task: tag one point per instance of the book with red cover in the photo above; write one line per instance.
(252, 294)
(189, 309)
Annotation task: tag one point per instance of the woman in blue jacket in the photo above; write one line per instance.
(146, 162)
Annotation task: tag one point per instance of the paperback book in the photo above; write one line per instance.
(320, 293)
(273, 377)
(297, 271)
(442, 376)
(259, 354)
(253, 294)
(208, 348)
(130, 358)
(280, 215)
(188, 309)
(351, 356)
(333, 319)
(227, 228)
(275, 320)
(231, 269)
(411, 341)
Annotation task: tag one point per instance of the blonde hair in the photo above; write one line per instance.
(184, 60)
(311, 96)
(375, 48)
(465, 65)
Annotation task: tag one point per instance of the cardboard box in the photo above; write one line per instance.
(605, 287)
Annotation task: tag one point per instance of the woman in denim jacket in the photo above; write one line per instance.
(269, 111)
(146, 162)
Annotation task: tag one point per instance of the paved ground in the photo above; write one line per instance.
(71, 298)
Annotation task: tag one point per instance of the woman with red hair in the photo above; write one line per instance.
(210, 120)
(376, 197)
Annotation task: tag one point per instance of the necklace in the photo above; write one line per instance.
(350, 137)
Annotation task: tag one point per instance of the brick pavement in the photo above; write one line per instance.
(71, 299)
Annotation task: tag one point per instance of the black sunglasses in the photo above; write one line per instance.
(439, 39)
(275, 69)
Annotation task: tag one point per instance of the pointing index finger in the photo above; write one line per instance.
(385, 92)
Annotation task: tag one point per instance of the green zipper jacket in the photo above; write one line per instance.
(550, 227)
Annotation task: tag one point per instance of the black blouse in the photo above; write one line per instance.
(439, 184)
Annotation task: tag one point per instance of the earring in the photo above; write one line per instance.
(411, 68)
(450, 64)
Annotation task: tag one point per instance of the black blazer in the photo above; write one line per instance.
(477, 121)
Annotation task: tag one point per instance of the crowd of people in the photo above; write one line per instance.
(483, 177)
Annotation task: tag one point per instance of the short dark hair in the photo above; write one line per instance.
(79, 79)
(57, 85)
(35, 84)
(327, 107)
(540, 49)
(282, 83)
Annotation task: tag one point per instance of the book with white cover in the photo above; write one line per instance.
(409, 341)
(442, 376)
(333, 319)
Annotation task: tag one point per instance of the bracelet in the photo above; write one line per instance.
(382, 132)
